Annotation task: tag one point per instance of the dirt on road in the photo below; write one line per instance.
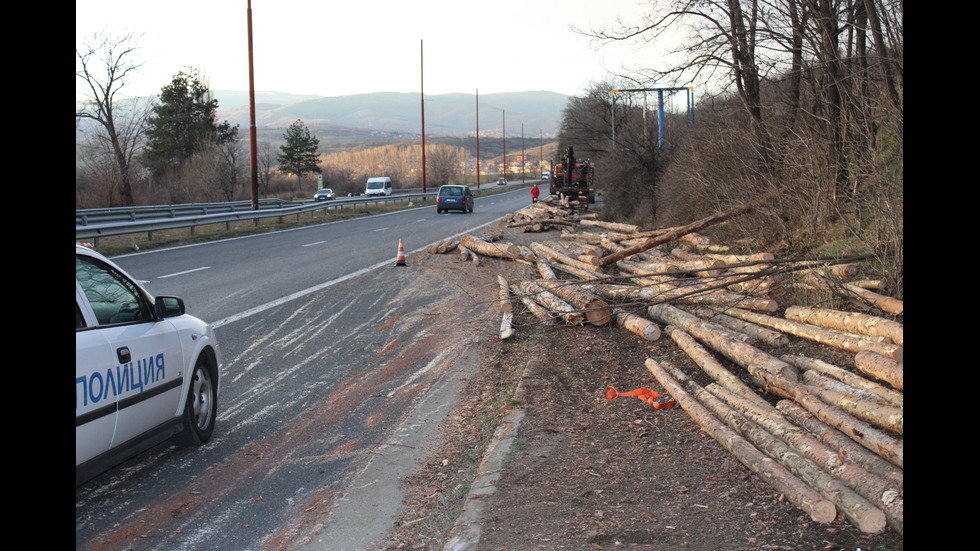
(587, 472)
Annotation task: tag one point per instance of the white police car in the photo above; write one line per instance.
(145, 371)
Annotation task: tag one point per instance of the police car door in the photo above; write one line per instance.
(95, 410)
(145, 354)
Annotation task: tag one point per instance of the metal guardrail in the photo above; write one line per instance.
(95, 223)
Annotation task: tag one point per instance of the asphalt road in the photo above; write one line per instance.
(337, 367)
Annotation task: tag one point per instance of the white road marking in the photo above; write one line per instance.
(185, 272)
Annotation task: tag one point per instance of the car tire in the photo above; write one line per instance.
(201, 406)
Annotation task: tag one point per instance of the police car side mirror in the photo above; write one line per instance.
(167, 307)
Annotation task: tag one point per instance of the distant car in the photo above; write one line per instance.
(501, 181)
(454, 197)
(324, 194)
(145, 370)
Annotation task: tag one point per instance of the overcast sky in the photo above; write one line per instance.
(339, 48)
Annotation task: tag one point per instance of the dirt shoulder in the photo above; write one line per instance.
(586, 472)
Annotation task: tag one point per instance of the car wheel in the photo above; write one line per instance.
(201, 407)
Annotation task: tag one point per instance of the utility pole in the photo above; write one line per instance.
(422, 77)
(252, 140)
(477, 138)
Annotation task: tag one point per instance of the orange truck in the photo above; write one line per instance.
(574, 178)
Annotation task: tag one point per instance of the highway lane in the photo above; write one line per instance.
(220, 281)
(336, 362)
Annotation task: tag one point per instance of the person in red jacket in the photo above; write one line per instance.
(535, 191)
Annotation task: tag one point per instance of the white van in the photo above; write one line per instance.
(378, 186)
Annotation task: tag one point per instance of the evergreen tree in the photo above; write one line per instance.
(183, 123)
(298, 155)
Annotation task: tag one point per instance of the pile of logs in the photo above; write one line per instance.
(829, 438)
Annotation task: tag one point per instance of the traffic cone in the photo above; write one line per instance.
(400, 261)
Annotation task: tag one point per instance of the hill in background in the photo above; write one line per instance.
(393, 116)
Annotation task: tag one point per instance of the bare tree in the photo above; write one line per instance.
(102, 66)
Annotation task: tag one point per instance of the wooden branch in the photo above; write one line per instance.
(690, 228)
(637, 324)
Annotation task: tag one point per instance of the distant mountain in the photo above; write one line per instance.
(394, 112)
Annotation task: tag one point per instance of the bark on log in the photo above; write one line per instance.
(506, 325)
(882, 492)
(551, 254)
(597, 312)
(851, 343)
(764, 334)
(690, 228)
(781, 378)
(843, 444)
(880, 415)
(820, 509)
(851, 322)
(885, 303)
(856, 507)
(637, 324)
(721, 340)
(505, 303)
(881, 367)
(626, 228)
(882, 393)
(538, 311)
(713, 367)
(486, 248)
(551, 302)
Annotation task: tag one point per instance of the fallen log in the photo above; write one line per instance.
(885, 303)
(597, 312)
(883, 394)
(551, 254)
(882, 492)
(881, 367)
(843, 444)
(781, 479)
(538, 311)
(855, 507)
(764, 334)
(722, 341)
(637, 324)
(486, 248)
(780, 378)
(551, 302)
(690, 228)
(506, 326)
(851, 322)
(615, 226)
(713, 367)
(880, 415)
(851, 343)
(504, 296)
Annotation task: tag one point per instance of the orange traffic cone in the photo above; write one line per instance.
(400, 261)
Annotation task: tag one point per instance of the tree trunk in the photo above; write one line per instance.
(806, 498)
(596, 311)
(852, 322)
(829, 337)
(551, 302)
(881, 367)
(637, 324)
(857, 508)
(881, 393)
(722, 341)
(480, 246)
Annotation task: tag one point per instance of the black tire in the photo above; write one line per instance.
(201, 406)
